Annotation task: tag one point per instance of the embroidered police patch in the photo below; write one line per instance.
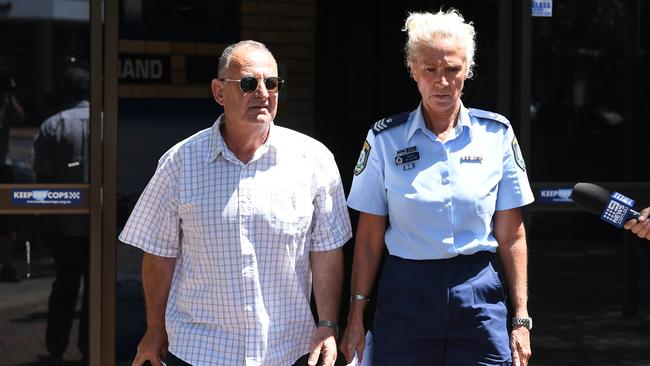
(363, 158)
(516, 151)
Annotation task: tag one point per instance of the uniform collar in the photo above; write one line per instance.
(464, 121)
(417, 122)
(218, 145)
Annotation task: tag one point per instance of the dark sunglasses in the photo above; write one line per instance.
(248, 84)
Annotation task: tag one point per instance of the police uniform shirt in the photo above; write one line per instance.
(440, 196)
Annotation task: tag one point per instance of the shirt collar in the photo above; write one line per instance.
(218, 145)
(464, 121)
(418, 121)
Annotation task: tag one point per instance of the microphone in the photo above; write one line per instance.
(613, 207)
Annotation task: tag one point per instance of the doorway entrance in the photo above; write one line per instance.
(51, 158)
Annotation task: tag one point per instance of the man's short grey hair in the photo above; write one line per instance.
(422, 28)
(226, 55)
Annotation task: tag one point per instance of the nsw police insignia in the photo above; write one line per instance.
(363, 158)
(516, 151)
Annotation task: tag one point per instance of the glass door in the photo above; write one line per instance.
(589, 123)
(589, 93)
(45, 195)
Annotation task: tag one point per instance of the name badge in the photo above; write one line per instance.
(471, 159)
(407, 157)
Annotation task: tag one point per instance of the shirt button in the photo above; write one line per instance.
(248, 308)
(445, 181)
(448, 204)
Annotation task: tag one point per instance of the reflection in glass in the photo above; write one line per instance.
(577, 111)
(44, 83)
(61, 152)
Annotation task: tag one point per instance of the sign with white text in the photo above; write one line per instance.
(542, 8)
(65, 197)
(144, 69)
(44, 199)
(554, 195)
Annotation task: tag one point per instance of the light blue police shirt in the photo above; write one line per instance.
(440, 196)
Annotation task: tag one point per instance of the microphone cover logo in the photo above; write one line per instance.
(616, 210)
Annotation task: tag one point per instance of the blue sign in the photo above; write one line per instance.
(542, 8)
(38, 197)
(555, 195)
(617, 209)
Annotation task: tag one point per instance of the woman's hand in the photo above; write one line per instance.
(354, 339)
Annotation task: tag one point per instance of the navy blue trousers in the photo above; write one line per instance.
(449, 312)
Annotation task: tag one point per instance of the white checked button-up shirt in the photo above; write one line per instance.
(242, 234)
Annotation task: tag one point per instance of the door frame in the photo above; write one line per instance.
(104, 23)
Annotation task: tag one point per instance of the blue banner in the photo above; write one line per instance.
(39, 197)
(542, 8)
(555, 195)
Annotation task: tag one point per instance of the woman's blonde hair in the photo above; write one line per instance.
(422, 28)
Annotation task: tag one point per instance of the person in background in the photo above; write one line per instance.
(61, 151)
(11, 114)
(235, 223)
(441, 187)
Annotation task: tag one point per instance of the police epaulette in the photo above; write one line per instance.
(489, 115)
(389, 122)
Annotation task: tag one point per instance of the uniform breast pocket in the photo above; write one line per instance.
(485, 205)
(480, 199)
(291, 211)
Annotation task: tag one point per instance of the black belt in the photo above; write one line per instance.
(172, 360)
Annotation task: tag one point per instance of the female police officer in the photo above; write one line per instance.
(451, 181)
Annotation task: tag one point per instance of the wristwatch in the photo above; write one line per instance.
(524, 322)
(329, 324)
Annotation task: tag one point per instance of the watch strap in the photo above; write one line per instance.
(523, 322)
(329, 324)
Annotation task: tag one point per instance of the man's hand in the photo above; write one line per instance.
(640, 226)
(323, 343)
(152, 347)
(520, 346)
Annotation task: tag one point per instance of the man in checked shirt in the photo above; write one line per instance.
(234, 223)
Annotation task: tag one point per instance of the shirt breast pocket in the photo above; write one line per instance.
(485, 204)
(477, 201)
(480, 195)
(291, 211)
